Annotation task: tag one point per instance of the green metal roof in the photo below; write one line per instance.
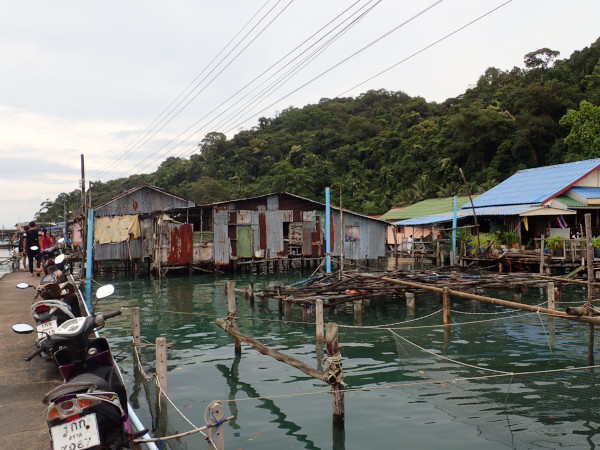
(424, 208)
(569, 202)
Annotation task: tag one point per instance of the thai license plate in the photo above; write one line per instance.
(76, 434)
(47, 328)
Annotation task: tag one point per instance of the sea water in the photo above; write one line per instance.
(497, 378)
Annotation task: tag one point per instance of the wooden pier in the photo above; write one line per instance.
(22, 419)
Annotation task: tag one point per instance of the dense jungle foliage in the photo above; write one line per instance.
(388, 149)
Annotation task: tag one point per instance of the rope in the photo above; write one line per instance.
(164, 394)
(444, 357)
(414, 383)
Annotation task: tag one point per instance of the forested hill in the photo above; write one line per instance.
(389, 149)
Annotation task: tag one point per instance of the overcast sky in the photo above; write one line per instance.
(128, 84)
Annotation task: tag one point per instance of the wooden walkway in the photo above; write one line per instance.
(23, 384)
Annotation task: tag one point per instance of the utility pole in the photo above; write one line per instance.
(473, 208)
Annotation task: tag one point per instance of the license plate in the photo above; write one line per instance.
(77, 434)
(47, 328)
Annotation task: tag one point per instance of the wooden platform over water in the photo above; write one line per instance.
(22, 420)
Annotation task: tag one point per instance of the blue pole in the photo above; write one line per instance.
(327, 229)
(453, 262)
(88, 261)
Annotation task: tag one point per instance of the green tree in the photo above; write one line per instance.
(583, 140)
(540, 60)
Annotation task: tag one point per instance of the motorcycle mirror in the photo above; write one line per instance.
(59, 259)
(23, 285)
(34, 248)
(22, 328)
(105, 291)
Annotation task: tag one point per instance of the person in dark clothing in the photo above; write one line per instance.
(32, 239)
(21, 248)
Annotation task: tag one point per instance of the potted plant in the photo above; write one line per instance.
(555, 244)
(510, 239)
(596, 242)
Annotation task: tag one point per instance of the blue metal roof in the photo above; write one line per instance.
(587, 192)
(536, 185)
(508, 210)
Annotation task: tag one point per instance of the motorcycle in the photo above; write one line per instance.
(90, 409)
(59, 303)
(54, 259)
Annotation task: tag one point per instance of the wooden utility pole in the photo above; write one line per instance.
(342, 235)
(473, 208)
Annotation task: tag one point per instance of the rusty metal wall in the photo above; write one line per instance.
(221, 240)
(266, 217)
(180, 248)
(123, 251)
(143, 201)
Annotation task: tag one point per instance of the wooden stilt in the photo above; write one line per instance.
(446, 306)
(233, 314)
(319, 320)
(135, 326)
(335, 367)
(216, 434)
(551, 297)
(161, 362)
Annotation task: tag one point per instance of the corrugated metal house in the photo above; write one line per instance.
(132, 226)
(283, 225)
(546, 201)
(398, 235)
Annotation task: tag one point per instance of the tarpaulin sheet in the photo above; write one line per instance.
(115, 229)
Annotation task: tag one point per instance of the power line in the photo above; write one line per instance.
(210, 82)
(339, 63)
(425, 48)
(125, 153)
(258, 77)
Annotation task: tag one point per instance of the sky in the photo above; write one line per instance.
(129, 84)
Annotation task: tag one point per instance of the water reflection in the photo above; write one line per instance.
(519, 411)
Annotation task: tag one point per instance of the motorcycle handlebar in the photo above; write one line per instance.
(112, 314)
(33, 354)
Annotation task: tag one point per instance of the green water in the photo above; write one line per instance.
(406, 396)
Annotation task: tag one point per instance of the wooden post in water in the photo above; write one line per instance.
(551, 296)
(232, 317)
(306, 313)
(251, 293)
(319, 320)
(215, 415)
(590, 279)
(335, 367)
(410, 300)
(161, 362)
(135, 327)
(357, 310)
(542, 255)
(446, 306)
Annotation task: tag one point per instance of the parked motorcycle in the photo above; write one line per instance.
(90, 409)
(58, 303)
(54, 258)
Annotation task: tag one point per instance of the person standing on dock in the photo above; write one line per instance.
(32, 239)
(22, 248)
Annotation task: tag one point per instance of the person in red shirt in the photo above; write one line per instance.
(45, 242)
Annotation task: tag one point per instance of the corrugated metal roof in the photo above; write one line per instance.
(508, 210)
(424, 208)
(536, 185)
(587, 192)
(569, 202)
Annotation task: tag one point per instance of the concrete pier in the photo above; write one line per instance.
(22, 384)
